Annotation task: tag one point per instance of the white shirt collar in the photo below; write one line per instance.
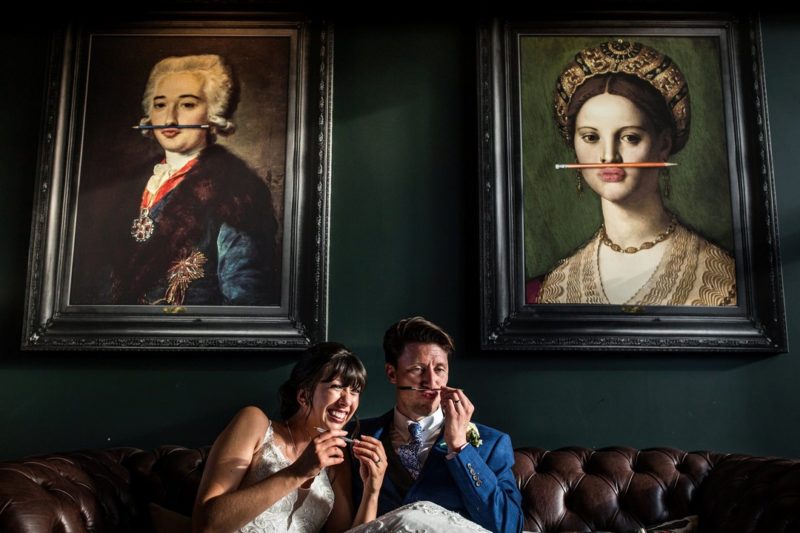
(431, 424)
(176, 161)
(163, 171)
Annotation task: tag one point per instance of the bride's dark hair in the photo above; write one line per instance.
(321, 363)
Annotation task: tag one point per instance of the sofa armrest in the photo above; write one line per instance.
(168, 476)
(746, 494)
(75, 492)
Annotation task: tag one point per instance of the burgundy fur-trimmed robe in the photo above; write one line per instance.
(220, 218)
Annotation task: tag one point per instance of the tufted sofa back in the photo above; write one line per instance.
(97, 490)
(611, 489)
(74, 492)
(571, 489)
(745, 494)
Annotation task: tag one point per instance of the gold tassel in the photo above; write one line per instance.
(181, 274)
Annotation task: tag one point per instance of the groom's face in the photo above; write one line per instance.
(423, 366)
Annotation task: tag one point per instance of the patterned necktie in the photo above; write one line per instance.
(409, 453)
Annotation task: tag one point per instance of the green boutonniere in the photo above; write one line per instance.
(473, 435)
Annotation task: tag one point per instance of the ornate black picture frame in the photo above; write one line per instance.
(282, 67)
(534, 223)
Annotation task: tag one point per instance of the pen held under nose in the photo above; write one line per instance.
(171, 127)
(348, 440)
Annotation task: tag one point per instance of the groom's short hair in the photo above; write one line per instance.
(414, 329)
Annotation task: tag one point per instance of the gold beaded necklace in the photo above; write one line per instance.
(644, 246)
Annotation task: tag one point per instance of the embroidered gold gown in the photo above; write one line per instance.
(692, 271)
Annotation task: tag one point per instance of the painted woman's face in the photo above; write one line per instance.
(611, 129)
(179, 99)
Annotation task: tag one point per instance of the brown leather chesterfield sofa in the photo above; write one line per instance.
(571, 489)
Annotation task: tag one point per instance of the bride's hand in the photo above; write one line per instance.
(372, 462)
(323, 451)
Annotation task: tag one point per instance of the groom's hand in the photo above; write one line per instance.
(457, 415)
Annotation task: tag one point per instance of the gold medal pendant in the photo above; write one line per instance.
(142, 226)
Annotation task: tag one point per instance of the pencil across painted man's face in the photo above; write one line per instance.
(179, 99)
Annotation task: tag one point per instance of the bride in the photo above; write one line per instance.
(623, 103)
(290, 475)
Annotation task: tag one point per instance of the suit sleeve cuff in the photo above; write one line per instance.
(451, 455)
(472, 474)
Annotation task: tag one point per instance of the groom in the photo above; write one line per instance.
(434, 453)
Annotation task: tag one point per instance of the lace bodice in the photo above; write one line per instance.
(692, 271)
(300, 511)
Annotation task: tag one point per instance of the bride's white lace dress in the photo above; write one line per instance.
(307, 510)
(300, 511)
(419, 517)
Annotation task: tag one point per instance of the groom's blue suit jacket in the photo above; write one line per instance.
(477, 483)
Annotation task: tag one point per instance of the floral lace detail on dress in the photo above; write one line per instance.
(419, 517)
(300, 511)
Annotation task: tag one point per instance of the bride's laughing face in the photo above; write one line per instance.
(611, 129)
(333, 404)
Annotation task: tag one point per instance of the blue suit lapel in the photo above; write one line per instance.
(375, 427)
(434, 482)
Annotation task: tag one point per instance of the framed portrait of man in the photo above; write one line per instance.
(626, 186)
(183, 186)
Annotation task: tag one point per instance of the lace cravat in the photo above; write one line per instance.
(161, 173)
(409, 453)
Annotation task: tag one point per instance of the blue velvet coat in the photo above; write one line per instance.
(221, 209)
(477, 483)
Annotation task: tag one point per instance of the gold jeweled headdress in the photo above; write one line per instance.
(636, 59)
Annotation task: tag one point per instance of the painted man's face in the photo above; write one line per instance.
(179, 99)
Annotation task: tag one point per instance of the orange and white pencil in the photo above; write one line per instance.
(659, 164)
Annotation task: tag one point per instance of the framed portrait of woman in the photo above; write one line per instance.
(182, 196)
(626, 186)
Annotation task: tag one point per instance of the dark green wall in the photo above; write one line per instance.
(403, 242)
